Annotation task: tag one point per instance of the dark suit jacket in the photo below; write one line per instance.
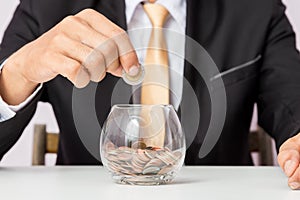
(232, 31)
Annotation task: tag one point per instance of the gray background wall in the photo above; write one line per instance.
(20, 154)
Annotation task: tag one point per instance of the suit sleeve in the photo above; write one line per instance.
(22, 29)
(279, 81)
(12, 129)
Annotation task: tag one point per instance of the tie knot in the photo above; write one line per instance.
(156, 13)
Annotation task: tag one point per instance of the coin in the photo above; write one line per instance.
(109, 146)
(141, 160)
(125, 156)
(138, 145)
(151, 170)
(150, 154)
(154, 162)
(134, 80)
(143, 157)
(166, 169)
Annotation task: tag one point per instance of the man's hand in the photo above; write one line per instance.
(81, 48)
(289, 160)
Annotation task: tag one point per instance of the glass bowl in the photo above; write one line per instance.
(142, 144)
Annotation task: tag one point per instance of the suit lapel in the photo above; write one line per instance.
(195, 29)
(114, 10)
(190, 32)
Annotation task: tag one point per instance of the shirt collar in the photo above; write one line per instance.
(174, 7)
(130, 8)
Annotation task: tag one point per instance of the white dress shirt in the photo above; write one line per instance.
(139, 30)
(137, 19)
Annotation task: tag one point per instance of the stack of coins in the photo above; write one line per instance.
(141, 161)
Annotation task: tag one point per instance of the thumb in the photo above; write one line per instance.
(289, 158)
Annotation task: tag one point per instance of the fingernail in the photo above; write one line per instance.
(294, 185)
(289, 167)
(133, 71)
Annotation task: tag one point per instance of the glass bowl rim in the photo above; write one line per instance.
(130, 106)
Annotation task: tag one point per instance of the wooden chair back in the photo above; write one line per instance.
(43, 143)
(261, 143)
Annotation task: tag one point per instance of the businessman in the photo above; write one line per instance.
(50, 46)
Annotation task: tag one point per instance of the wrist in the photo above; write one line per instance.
(14, 86)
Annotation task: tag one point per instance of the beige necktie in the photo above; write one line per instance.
(155, 87)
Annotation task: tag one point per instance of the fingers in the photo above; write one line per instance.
(110, 41)
(128, 57)
(71, 69)
(96, 46)
(91, 59)
(109, 50)
(289, 160)
(82, 78)
(118, 71)
(294, 180)
(95, 65)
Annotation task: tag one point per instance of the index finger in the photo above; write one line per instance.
(100, 23)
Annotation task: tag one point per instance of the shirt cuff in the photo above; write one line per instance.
(8, 111)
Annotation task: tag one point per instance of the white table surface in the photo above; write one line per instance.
(199, 183)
